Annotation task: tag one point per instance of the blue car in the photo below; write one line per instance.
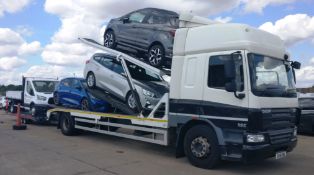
(71, 92)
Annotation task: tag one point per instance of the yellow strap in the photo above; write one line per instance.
(105, 114)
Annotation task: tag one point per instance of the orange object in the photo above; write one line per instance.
(6, 105)
(18, 116)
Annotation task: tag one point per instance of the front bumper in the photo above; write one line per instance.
(260, 152)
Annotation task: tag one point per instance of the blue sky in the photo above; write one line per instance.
(56, 25)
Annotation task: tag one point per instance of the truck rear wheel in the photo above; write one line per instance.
(67, 125)
(201, 147)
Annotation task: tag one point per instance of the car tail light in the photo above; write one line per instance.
(173, 33)
(87, 61)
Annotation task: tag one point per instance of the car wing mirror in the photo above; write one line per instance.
(296, 65)
(78, 88)
(126, 20)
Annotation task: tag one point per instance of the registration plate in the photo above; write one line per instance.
(281, 154)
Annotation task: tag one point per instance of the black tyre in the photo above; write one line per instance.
(26, 121)
(156, 55)
(67, 125)
(56, 99)
(110, 39)
(201, 147)
(85, 104)
(91, 80)
(131, 102)
(21, 127)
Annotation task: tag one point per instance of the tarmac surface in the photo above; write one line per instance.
(43, 150)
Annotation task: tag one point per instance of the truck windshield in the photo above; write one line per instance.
(271, 77)
(45, 86)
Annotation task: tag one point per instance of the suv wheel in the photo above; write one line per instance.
(91, 80)
(110, 39)
(131, 101)
(156, 55)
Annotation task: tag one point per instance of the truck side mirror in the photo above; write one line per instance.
(31, 92)
(296, 65)
(229, 70)
(78, 88)
(231, 86)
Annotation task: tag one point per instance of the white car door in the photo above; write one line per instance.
(105, 73)
(29, 92)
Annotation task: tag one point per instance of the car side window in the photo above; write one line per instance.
(75, 83)
(106, 62)
(117, 67)
(97, 58)
(157, 19)
(29, 88)
(137, 17)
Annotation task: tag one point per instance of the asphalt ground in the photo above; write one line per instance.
(43, 150)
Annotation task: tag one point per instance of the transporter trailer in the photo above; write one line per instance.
(232, 97)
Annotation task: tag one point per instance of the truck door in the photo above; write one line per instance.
(217, 101)
(29, 93)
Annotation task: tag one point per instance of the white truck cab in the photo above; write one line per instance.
(33, 97)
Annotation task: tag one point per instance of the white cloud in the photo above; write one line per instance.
(292, 28)
(47, 71)
(11, 77)
(12, 6)
(29, 48)
(305, 76)
(24, 30)
(257, 6)
(312, 61)
(223, 19)
(9, 63)
(87, 19)
(13, 48)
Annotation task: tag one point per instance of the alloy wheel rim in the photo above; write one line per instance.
(155, 56)
(200, 147)
(131, 101)
(90, 80)
(108, 40)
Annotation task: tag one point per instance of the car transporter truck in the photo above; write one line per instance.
(232, 97)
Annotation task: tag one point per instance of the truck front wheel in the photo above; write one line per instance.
(67, 125)
(201, 147)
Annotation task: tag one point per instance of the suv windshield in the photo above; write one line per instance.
(45, 86)
(271, 77)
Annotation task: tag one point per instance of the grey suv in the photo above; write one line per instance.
(148, 31)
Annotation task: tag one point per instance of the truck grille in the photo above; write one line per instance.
(280, 136)
(279, 119)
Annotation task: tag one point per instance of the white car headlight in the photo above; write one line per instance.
(255, 138)
(41, 98)
(148, 93)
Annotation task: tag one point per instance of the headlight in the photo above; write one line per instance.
(255, 138)
(148, 93)
(42, 98)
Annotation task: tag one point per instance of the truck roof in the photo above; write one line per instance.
(41, 79)
(227, 36)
